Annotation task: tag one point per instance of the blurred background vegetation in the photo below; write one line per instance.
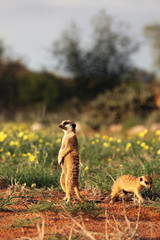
(102, 86)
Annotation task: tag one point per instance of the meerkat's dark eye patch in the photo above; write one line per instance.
(65, 123)
(141, 179)
(146, 182)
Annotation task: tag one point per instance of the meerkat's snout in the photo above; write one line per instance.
(63, 125)
(67, 125)
(60, 126)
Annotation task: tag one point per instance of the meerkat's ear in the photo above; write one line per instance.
(141, 179)
(74, 125)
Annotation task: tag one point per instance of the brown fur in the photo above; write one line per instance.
(129, 183)
(68, 159)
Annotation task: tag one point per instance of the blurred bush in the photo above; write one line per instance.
(21, 88)
(124, 101)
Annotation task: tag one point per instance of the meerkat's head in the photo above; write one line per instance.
(67, 126)
(146, 181)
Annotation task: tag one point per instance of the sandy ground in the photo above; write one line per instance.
(114, 221)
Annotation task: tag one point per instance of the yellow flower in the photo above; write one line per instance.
(8, 154)
(158, 152)
(24, 154)
(110, 139)
(3, 136)
(93, 142)
(24, 185)
(157, 132)
(121, 165)
(128, 146)
(20, 134)
(41, 140)
(138, 142)
(143, 144)
(146, 147)
(109, 159)
(14, 143)
(151, 148)
(119, 140)
(25, 137)
(105, 137)
(31, 157)
(97, 140)
(106, 144)
(118, 149)
(86, 168)
(141, 134)
(145, 131)
(58, 140)
(1, 149)
(33, 185)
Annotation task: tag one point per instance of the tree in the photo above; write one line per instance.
(152, 33)
(104, 63)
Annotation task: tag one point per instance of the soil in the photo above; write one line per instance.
(121, 220)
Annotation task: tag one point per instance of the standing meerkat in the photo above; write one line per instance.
(129, 183)
(68, 159)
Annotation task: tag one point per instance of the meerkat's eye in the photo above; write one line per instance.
(65, 123)
(146, 182)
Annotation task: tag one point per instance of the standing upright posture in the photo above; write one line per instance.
(130, 183)
(68, 159)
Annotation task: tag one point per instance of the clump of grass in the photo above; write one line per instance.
(24, 222)
(44, 206)
(7, 202)
(88, 207)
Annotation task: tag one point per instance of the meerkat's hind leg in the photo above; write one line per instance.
(114, 193)
(68, 189)
(76, 189)
(63, 181)
(122, 193)
(139, 196)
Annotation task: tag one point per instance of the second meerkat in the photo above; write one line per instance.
(130, 183)
(68, 159)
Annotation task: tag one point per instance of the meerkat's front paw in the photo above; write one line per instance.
(65, 198)
(111, 201)
(60, 161)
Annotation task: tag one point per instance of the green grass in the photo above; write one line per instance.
(31, 158)
(89, 208)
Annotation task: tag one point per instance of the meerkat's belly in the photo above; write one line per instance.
(71, 161)
(128, 188)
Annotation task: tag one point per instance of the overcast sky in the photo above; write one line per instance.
(29, 27)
